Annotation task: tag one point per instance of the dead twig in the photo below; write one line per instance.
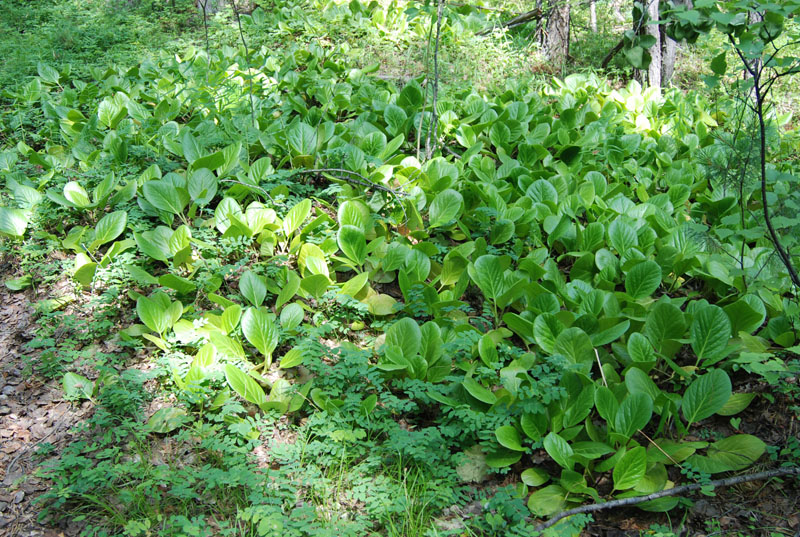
(780, 472)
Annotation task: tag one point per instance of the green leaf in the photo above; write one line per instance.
(244, 385)
(406, 335)
(395, 118)
(719, 65)
(13, 221)
(637, 381)
(296, 216)
(353, 243)
(548, 500)
(180, 284)
(227, 346)
(622, 236)
(203, 186)
(231, 317)
(643, 279)
(291, 316)
(260, 331)
(152, 315)
(710, 332)
(737, 452)
(630, 469)
(167, 419)
(706, 396)
(606, 403)
(315, 285)
(302, 139)
(289, 289)
(746, 314)
(508, 437)
(191, 149)
(165, 196)
(664, 322)
(293, 358)
(546, 328)
(253, 288)
(736, 403)
(109, 228)
(18, 284)
(534, 477)
(479, 392)
(488, 274)
(77, 387)
(575, 345)
(633, 414)
(559, 450)
(445, 207)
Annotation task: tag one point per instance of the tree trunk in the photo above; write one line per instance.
(668, 59)
(557, 33)
(652, 76)
(593, 16)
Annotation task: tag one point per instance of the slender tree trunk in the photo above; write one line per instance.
(557, 33)
(593, 16)
(654, 71)
(669, 54)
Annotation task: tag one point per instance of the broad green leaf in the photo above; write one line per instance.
(18, 284)
(231, 317)
(643, 279)
(152, 315)
(508, 437)
(253, 288)
(315, 285)
(291, 316)
(13, 221)
(664, 322)
(289, 289)
(534, 477)
(633, 414)
(710, 332)
(546, 328)
(622, 236)
(637, 381)
(575, 345)
(302, 138)
(77, 387)
(352, 242)
(77, 195)
(167, 419)
(180, 284)
(244, 385)
(203, 186)
(487, 273)
(293, 358)
(260, 331)
(165, 196)
(548, 500)
(406, 335)
(630, 469)
(706, 395)
(479, 392)
(559, 450)
(227, 346)
(296, 216)
(737, 452)
(606, 403)
(746, 314)
(736, 403)
(445, 208)
(109, 228)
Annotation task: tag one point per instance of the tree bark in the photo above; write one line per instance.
(593, 16)
(654, 71)
(557, 33)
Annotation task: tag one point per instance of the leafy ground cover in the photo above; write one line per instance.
(288, 295)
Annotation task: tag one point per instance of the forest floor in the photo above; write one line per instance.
(36, 422)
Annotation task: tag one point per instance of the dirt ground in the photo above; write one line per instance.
(32, 412)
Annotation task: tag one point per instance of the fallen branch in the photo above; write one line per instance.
(363, 181)
(668, 492)
(613, 52)
(534, 14)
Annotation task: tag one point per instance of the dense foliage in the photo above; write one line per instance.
(566, 285)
